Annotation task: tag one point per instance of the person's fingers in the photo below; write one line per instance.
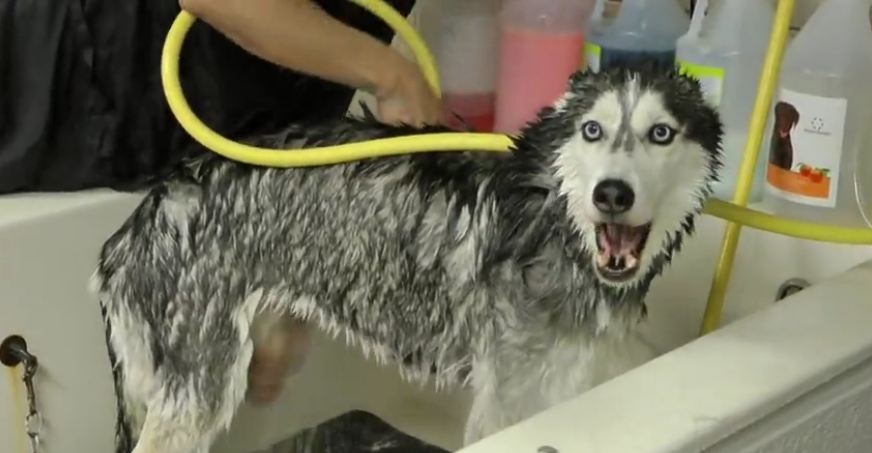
(414, 113)
(409, 99)
(392, 112)
(434, 116)
(429, 106)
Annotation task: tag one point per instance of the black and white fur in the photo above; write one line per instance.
(475, 268)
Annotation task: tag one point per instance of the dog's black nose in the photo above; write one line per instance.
(613, 196)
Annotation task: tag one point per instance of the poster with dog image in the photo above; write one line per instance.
(806, 148)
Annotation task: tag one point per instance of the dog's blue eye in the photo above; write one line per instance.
(591, 131)
(661, 134)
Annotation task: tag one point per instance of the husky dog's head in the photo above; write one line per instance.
(633, 153)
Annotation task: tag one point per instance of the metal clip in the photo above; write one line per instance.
(13, 352)
(33, 420)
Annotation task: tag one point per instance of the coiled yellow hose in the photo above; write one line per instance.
(736, 213)
(323, 155)
(765, 92)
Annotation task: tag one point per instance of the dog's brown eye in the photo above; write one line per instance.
(591, 131)
(661, 134)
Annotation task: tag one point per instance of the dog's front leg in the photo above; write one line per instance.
(528, 372)
(485, 417)
(493, 406)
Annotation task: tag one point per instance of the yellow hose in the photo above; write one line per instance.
(768, 81)
(736, 213)
(323, 155)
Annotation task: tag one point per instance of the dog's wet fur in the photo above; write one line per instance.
(490, 270)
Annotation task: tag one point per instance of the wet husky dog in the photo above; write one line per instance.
(505, 272)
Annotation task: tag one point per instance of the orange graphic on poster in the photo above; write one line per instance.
(808, 181)
(801, 179)
(805, 148)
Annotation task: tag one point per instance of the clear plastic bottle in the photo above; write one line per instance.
(595, 26)
(541, 45)
(643, 29)
(464, 38)
(725, 49)
(820, 147)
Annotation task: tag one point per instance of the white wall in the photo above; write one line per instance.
(804, 8)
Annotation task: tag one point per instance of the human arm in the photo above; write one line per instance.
(299, 35)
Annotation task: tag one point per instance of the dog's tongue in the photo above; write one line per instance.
(620, 240)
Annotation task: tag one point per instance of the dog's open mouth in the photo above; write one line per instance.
(619, 249)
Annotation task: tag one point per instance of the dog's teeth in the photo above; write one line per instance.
(604, 243)
(616, 262)
(602, 259)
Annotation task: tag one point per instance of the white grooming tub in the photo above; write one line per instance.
(789, 376)
(795, 376)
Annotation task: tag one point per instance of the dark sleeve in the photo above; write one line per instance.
(31, 42)
(84, 107)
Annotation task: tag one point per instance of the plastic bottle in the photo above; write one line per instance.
(643, 29)
(820, 149)
(464, 38)
(725, 49)
(540, 47)
(595, 26)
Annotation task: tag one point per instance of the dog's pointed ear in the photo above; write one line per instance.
(579, 83)
(579, 79)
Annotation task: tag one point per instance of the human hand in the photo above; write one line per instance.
(405, 97)
(280, 348)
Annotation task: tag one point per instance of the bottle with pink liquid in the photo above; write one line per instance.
(464, 38)
(541, 45)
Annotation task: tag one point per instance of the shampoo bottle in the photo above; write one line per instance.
(595, 27)
(819, 165)
(724, 48)
(540, 47)
(643, 29)
(464, 38)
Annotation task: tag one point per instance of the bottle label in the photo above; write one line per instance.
(592, 54)
(805, 148)
(711, 79)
